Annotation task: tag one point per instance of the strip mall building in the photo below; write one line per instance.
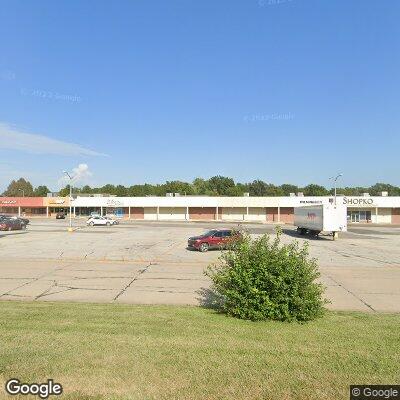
(364, 209)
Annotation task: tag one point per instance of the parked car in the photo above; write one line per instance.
(60, 215)
(92, 221)
(11, 224)
(25, 221)
(112, 220)
(214, 239)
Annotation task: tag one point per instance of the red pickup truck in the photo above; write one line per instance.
(214, 239)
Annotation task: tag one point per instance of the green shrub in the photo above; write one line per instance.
(260, 279)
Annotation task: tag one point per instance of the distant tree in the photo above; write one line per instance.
(108, 189)
(235, 191)
(201, 187)
(315, 190)
(215, 186)
(41, 191)
(178, 187)
(349, 191)
(358, 190)
(219, 185)
(274, 191)
(19, 188)
(86, 189)
(261, 188)
(120, 191)
(141, 190)
(287, 188)
(64, 192)
(378, 188)
(242, 188)
(258, 188)
(136, 190)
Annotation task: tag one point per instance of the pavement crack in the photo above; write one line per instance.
(140, 272)
(18, 279)
(98, 277)
(54, 284)
(81, 288)
(352, 293)
(50, 294)
(344, 254)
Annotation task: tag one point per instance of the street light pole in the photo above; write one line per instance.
(70, 200)
(335, 178)
(23, 192)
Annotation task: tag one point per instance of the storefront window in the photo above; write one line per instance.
(359, 216)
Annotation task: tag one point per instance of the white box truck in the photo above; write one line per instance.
(321, 218)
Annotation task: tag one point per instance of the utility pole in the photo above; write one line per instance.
(70, 200)
(335, 178)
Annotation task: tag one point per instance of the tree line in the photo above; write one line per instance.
(215, 186)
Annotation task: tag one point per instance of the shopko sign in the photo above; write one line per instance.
(361, 201)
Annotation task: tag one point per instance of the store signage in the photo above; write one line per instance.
(59, 201)
(8, 201)
(361, 201)
(114, 203)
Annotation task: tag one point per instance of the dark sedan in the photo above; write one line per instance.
(5, 216)
(11, 224)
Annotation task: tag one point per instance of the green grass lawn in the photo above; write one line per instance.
(160, 352)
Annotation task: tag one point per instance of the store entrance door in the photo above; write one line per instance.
(355, 216)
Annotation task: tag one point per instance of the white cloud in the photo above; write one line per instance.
(80, 176)
(14, 139)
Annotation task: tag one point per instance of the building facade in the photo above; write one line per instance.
(22, 206)
(361, 209)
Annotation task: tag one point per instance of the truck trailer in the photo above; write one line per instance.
(327, 218)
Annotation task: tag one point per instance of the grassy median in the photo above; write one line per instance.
(159, 352)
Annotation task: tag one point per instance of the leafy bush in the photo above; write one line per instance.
(260, 279)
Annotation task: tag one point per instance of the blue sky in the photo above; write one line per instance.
(288, 92)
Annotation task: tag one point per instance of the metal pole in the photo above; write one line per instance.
(70, 200)
(70, 204)
(335, 182)
(335, 191)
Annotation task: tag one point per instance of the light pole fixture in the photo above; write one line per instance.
(70, 200)
(335, 178)
(23, 192)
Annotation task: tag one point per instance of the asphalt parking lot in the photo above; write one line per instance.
(148, 263)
